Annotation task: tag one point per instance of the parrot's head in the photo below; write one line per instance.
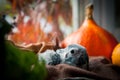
(76, 55)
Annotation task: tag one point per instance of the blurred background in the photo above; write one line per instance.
(43, 20)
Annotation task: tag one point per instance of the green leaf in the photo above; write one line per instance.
(23, 65)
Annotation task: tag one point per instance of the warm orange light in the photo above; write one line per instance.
(28, 33)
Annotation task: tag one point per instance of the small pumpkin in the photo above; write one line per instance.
(116, 55)
(98, 41)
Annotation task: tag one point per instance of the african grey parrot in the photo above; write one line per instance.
(74, 55)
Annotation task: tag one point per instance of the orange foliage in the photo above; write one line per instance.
(28, 33)
(19, 3)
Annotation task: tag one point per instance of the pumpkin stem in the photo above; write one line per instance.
(89, 11)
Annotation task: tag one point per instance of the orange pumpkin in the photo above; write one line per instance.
(116, 55)
(97, 40)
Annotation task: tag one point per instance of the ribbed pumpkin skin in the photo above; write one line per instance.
(97, 40)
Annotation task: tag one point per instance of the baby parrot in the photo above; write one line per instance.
(74, 54)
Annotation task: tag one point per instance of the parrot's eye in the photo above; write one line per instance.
(72, 51)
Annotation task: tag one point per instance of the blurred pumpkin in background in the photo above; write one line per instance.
(116, 55)
(97, 40)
